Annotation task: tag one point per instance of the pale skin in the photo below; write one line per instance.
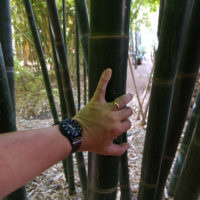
(25, 154)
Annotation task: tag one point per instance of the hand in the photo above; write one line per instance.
(102, 122)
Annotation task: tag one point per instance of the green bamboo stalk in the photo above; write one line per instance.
(78, 67)
(185, 83)
(124, 175)
(64, 22)
(85, 82)
(68, 162)
(188, 187)
(184, 146)
(166, 64)
(41, 57)
(64, 72)
(79, 156)
(108, 47)
(83, 25)
(61, 95)
(6, 42)
(58, 78)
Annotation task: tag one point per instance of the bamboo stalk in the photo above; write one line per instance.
(184, 146)
(6, 42)
(40, 53)
(124, 175)
(83, 26)
(64, 22)
(189, 181)
(145, 92)
(79, 156)
(185, 82)
(166, 65)
(61, 96)
(108, 47)
(64, 72)
(85, 82)
(78, 67)
(136, 91)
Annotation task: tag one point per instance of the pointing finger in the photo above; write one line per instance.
(99, 94)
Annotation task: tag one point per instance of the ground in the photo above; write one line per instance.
(51, 183)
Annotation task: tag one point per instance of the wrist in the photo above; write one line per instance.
(72, 130)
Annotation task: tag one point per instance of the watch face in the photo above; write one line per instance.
(72, 128)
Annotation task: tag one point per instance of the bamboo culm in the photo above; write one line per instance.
(83, 25)
(64, 72)
(188, 186)
(124, 175)
(61, 94)
(167, 60)
(184, 146)
(185, 83)
(78, 67)
(108, 47)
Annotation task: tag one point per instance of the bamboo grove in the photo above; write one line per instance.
(101, 40)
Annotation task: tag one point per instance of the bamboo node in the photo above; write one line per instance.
(166, 157)
(108, 37)
(163, 81)
(196, 141)
(148, 185)
(186, 75)
(99, 190)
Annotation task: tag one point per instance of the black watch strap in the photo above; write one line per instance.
(72, 130)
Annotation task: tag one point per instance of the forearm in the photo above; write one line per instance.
(25, 154)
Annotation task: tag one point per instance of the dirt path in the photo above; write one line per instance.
(141, 76)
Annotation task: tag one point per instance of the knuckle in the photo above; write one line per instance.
(100, 90)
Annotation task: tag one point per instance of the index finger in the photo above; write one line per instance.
(99, 94)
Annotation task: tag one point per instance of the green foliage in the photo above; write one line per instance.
(31, 100)
(140, 10)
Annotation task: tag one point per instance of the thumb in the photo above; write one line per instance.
(117, 149)
(99, 94)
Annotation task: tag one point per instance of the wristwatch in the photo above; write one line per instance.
(72, 130)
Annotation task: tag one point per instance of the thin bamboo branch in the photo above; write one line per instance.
(78, 67)
(136, 90)
(145, 92)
